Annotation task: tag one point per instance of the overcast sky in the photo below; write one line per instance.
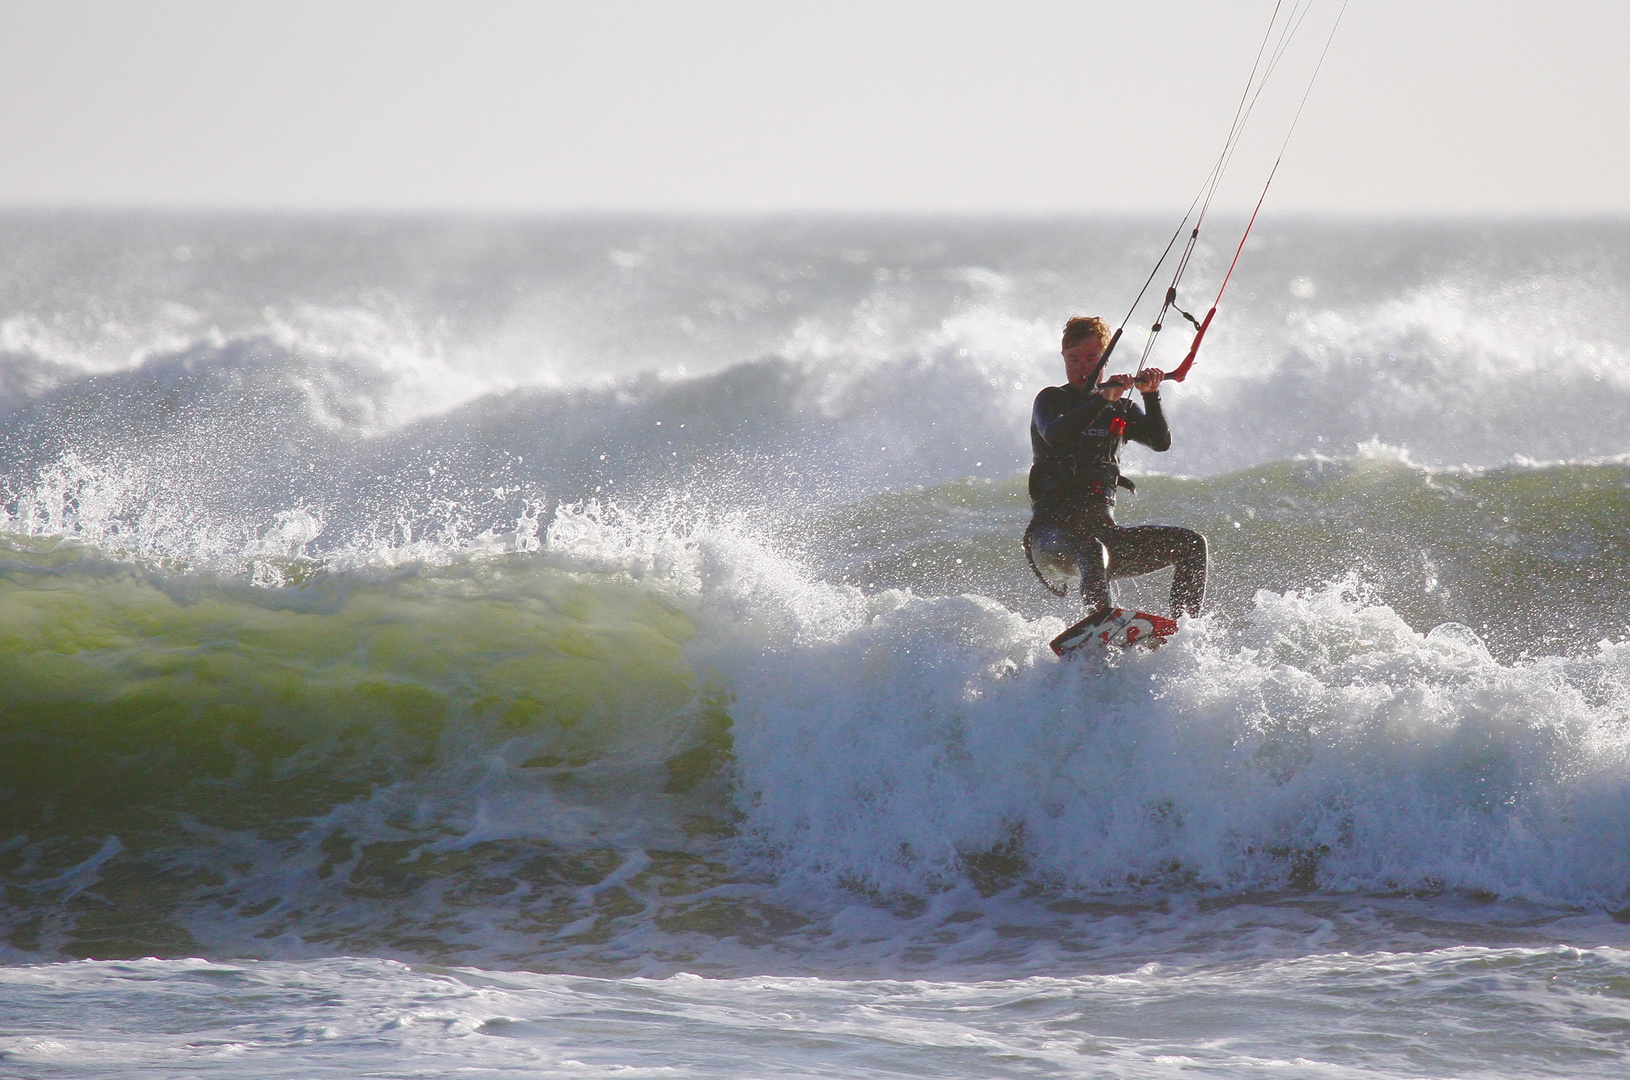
(1423, 106)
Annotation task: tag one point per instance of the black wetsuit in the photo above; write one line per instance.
(1076, 437)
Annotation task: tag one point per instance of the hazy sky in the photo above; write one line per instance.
(1423, 106)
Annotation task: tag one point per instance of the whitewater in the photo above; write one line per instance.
(587, 645)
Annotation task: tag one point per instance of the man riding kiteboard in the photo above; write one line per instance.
(1076, 433)
(1076, 430)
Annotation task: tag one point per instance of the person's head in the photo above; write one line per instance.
(1082, 327)
(1085, 339)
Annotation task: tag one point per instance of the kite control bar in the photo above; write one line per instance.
(1209, 189)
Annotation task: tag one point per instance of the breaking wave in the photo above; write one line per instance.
(345, 628)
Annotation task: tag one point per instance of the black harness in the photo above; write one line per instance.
(1088, 470)
(1087, 465)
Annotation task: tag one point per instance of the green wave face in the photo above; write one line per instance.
(284, 755)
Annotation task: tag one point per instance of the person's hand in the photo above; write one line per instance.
(1148, 380)
(1114, 386)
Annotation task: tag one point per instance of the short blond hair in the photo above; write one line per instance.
(1082, 327)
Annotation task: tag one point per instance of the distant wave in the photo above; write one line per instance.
(210, 450)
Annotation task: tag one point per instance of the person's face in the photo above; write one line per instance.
(1081, 360)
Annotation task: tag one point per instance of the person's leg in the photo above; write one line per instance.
(1093, 560)
(1088, 527)
(1136, 550)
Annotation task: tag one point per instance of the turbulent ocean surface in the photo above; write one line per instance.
(565, 647)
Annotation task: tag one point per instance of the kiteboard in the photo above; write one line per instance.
(1117, 626)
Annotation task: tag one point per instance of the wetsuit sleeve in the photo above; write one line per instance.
(1055, 421)
(1149, 428)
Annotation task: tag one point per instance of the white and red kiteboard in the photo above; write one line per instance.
(1117, 626)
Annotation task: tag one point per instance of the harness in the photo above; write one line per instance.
(1087, 463)
(1090, 472)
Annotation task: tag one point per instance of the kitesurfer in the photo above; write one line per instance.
(1076, 432)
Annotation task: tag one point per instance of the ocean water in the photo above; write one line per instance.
(564, 647)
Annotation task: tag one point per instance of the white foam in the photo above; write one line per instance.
(1469, 1011)
(1321, 741)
